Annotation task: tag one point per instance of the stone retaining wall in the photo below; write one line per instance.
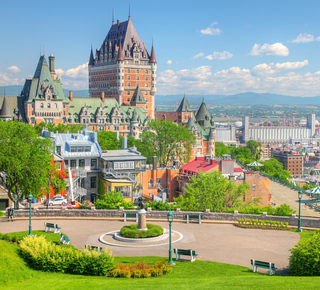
(207, 215)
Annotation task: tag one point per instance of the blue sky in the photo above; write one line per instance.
(202, 47)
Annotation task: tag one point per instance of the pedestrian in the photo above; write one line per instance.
(11, 214)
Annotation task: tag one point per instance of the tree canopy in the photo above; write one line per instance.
(25, 160)
(61, 128)
(274, 168)
(167, 140)
(108, 140)
(212, 191)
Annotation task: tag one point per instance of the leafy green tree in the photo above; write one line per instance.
(221, 149)
(212, 191)
(25, 160)
(112, 199)
(308, 186)
(255, 149)
(275, 169)
(61, 128)
(167, 140)
(108, 140)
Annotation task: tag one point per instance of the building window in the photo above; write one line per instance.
(253, 187)
(93, 163)
(128, 99)
(55, 106)
(159, 180)
(146, 85)
(128, 84)
(146, 78)
(58, 148)
(48, 105)
(137, 78)
(128, 93)
(128, 70)
(73, 163)
(93, 181)
(41, 105)
(81, 162)
(146, 71)
(137, 71)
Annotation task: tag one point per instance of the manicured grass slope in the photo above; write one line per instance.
(15, 274)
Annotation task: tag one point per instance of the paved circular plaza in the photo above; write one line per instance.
(217, 242)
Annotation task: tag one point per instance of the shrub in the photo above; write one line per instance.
(141, 270)
(49, 257)
(132, 232)
(305, 257)
(159, 205)
(2, 213)
(86, 205)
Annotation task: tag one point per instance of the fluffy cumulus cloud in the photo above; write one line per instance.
(269, 69)
(169, 62)
(260, 79)
(214, 55)
(305, 37)
(211, 30)
(13, 69)
(270, 49)
(74, 78)
(7, 80)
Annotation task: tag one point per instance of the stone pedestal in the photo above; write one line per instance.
(142, 220)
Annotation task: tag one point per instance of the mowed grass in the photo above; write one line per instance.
(15, 274)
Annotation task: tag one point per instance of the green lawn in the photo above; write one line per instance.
(15, 274)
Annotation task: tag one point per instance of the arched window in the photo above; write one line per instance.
(48, 105)
(41, 105)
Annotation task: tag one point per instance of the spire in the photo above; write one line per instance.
(184, 105)
(120, 55)
(129, 18)
(153, 56)
(91, 57)
(137, 97)
(4, 112)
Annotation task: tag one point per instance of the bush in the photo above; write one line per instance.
(132, 232)
(113, 200)
(2, 213)
(159, 205)
(49, 257)
(305, 257)
(141, 270)
(86, 205)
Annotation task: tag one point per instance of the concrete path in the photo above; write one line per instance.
(281, 194)
(223, 243)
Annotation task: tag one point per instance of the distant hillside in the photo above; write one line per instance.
(239, 99)
(243, 99)
(16, 90)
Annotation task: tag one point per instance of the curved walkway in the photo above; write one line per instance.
(223, 243)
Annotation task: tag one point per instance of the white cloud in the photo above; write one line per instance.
(215, 55)
(169, 62)
(270, 49)
(261, 79)
(305, 37)
(13, 69)
(210, 30)
(7, 80)
(269, 69)
(74, 78)
(219, 55)
(198, 55)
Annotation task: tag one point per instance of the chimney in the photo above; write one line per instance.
(51, 66)
(118, 22)
(124, 143)
(154, 162)
(102, 96)
(71, 95)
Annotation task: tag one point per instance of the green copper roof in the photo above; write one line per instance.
(184, 105)
(137, 97)
(42, 79)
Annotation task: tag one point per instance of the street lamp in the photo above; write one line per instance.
(299, 229)
(30, 226)
(170, 220)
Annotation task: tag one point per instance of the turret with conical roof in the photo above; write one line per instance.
(4, 112)
(153, 56)
(203, 116)
(91, 60)
(184, 105)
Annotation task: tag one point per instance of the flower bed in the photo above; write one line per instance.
(141, 270)
(261, 224)
(131, 231)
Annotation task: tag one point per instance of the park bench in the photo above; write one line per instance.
(64, 240)
(266, 265)
(91, 248)
(193, 217)
(130, 215)
(49, 227)
(183, 252)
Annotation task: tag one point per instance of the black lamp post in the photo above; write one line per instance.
(170, 220)
(299, 229)
(30, 225)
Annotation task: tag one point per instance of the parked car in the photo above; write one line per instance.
(58, 201)
(52, 198)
